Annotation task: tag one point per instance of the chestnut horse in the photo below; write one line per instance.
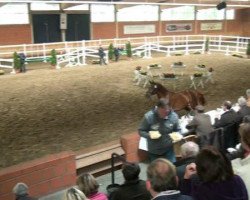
(187, 99)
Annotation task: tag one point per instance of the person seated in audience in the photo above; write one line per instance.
(75, 194)
(216, 178)
(228, 117)
(162, 181)
(21, 192)
(242, 166)
(201, 125)
(89, 186)
(133, 187)
(244, 109)
(189, 150)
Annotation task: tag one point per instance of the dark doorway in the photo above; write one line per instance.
(46, 28)
(77, 27)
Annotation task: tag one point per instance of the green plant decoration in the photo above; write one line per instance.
(111, 51)
(129, 49)
(17, 61)
(53, 59)
(207, 45)
(248, 49)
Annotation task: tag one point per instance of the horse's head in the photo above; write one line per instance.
(155, 88)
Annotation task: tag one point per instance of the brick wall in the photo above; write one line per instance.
(246, 22)
(103, 31)
(43, 176)
(15, 34)
(130, 144)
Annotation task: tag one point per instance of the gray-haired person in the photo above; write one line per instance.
(244, 109)
(162, 181)
(21, 192)
(189, 150)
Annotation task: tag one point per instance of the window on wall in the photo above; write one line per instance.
(178, 13)
(210, 14)
(14, 14)
(44, 6)
(230, 14)
(102, 13)
(138, 13)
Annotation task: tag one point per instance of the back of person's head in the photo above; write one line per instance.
(189, 149)
(131, 171)
(248, 93)
(242, 101)
(213, 166)
(246, 119)
(163, 103)
(75, 194)
(87, 184)
(20, 189)
(227, 105)
(161, 174)
(244, 131)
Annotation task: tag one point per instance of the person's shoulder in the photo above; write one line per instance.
(185, 197)
(174, 115)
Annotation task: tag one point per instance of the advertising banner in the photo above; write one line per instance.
(211, 26)
(139, 29)
(178, 27)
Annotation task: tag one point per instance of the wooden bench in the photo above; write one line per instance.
(97, 159)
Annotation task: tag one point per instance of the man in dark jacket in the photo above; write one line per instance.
(162, 181)
(228, 117)
(101, 54)
(133, 188)
(21, 192)
(156, 126)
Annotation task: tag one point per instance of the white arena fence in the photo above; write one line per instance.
(76, 53)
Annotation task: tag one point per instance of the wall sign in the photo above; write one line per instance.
(178, 27)
(139, 29)
(211, 26)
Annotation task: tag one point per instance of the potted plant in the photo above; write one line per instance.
(248, 50)
(207, 45)
(111, 51)
(129, 49)
(53, 59)
(17, 62)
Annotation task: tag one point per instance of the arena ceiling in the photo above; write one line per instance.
(237, 4)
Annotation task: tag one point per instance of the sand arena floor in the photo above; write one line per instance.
(45, 110)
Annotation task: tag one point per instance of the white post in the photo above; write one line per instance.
(78, 56)
(227, 51)
(158, 43)
(173, 42)
(149, 50)
(237, 44)
(168, 54)
(83, 53)
(145, 47)
(57, 65)
(220, 42)
(187, 53)
(44, 53)
(13, 70)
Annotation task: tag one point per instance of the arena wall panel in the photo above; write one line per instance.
(15, 34)
(43, 176)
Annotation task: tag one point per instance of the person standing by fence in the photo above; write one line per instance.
(101, 54)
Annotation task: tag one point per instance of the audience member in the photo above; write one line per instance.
(162, 181)
(217, 180)
(201, 125)
(156, 126)
(21, 192)
(133, 188)
(22, 62)
(75, 194)
(241, 166)
(244, 109)
(89, 186)
(228, 117)
(189, 150)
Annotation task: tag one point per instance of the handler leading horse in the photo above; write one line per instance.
(187, 99)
